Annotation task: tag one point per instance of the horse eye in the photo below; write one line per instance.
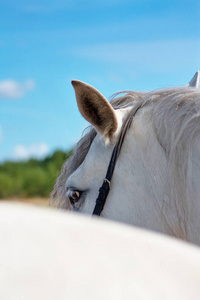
(74, 196)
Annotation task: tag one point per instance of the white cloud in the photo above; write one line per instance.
(11, 89)
(38, 151)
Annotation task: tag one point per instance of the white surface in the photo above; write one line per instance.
(46, 254)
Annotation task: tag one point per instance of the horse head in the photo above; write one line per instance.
(146, 185)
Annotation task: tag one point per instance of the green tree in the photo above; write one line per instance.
(31, 178)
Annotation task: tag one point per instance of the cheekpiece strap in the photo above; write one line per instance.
(100, 201)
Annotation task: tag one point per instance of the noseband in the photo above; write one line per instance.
(105, 188)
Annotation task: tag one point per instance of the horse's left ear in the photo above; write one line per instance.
(95, 109)
(194, 82)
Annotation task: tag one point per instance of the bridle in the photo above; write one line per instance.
(105, 188)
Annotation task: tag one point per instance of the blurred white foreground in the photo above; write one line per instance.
(47, 254)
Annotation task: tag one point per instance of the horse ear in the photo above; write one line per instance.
(194, 82)
(95, 109)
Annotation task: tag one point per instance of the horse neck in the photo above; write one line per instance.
(141, 186)
(193, 194)
(138, 186)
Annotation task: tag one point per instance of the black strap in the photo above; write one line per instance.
(103, 193)
(105, 188)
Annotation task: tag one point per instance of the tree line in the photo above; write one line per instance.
(33, 178)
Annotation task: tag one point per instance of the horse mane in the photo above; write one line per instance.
(58, 196)
(176, 121)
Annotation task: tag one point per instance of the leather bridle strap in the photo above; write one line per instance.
(105, 188)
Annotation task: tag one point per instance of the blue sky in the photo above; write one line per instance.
(113, 45)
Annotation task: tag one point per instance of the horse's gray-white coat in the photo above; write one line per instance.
(156, 179)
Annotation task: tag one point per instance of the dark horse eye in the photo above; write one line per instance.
(74, 196)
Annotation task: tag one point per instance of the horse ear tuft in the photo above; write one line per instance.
(95, 109)
(194, 82)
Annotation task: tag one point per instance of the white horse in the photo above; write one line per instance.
(53, 255)
(156, 181)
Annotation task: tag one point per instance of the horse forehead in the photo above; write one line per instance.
(100, 152)
(99, 148)
(94, 162)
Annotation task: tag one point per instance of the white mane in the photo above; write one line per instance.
(176, 119)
